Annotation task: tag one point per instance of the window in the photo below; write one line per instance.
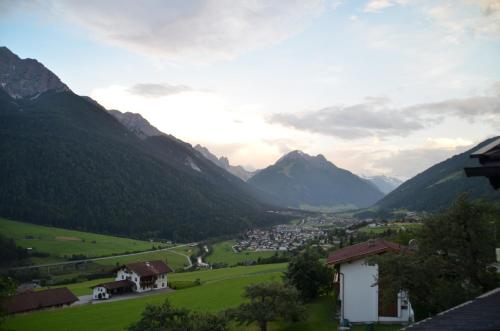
(123, 276)
(135, 278)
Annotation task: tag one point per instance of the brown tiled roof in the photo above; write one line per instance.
(116, 284)
(149, 268)
(357, 251)
(30, 300)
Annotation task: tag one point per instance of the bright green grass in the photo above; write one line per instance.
(392, 226)
(223, 253)
(60, 242)
(174, 260)
(205, 276)
(221, 289)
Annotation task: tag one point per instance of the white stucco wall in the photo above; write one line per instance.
(100, 290)
(360, 295)
(161, 281)
(360, 298)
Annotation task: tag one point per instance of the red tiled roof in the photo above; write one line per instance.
(149, 268)
(125, 283)
(30, 300)
(357, 251)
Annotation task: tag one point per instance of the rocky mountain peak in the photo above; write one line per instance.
(136, 124)
(22, 78)
(299, 155)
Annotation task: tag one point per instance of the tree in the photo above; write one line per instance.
(269, 302)
(7, 288)
(309, 275)
(450, 265)
(167, 318)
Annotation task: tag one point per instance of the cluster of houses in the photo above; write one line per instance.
(279, 238)
(137, 277)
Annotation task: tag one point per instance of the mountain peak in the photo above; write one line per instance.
(300, 155)
(22, 78)
(136, 123)
(223, 162)
(300, 180)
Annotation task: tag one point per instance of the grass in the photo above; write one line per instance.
(61, 243)
(222, 252)
(174, 260)
(391, 226)
(220, 289)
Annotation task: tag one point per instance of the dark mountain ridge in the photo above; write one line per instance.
(67, 162)
(301, 180)
(435, 188)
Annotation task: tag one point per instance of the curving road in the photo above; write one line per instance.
(171, 249)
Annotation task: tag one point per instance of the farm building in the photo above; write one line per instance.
(361, 298)
(134, 277)
(30, 300)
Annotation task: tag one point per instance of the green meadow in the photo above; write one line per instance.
(390, 226)
(222, 252)
(220, 289)
(60, 242)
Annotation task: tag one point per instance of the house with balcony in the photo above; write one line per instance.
(134, 277)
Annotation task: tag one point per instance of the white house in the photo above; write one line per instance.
(137, 277)
(360, 296)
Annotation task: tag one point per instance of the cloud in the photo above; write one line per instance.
(375, 6)
(377, 118)
(201, 30)
(158, 90)
(374, 117)
(406, 163)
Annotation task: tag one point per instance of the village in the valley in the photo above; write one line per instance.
(287, 237)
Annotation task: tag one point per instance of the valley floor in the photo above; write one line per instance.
(220, 289)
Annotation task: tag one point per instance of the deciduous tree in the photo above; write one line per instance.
(269, 302)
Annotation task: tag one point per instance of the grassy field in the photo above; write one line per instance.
(60, 242)
(220, 289)
(391, 226)
(223, 253)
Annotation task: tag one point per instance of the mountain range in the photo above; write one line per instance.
(300, 180)
(435, 188)
(68, 162)
(223, 162)
(385, 184)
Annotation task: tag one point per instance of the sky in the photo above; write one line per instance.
(377, 86)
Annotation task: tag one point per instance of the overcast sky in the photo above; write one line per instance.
(377, 86)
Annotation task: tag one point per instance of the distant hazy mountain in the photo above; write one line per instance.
(384, 183)
(435, 188)
(223, 162)
(26, 77)
(300, 180)
(66, 161)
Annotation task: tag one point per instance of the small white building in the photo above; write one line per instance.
(134, 277)
(361, 298)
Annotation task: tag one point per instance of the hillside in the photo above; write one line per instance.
(67, 162)
(301, 180)
(223, 162)
(436, 187)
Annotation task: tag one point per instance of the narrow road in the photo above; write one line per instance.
(170, 249)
